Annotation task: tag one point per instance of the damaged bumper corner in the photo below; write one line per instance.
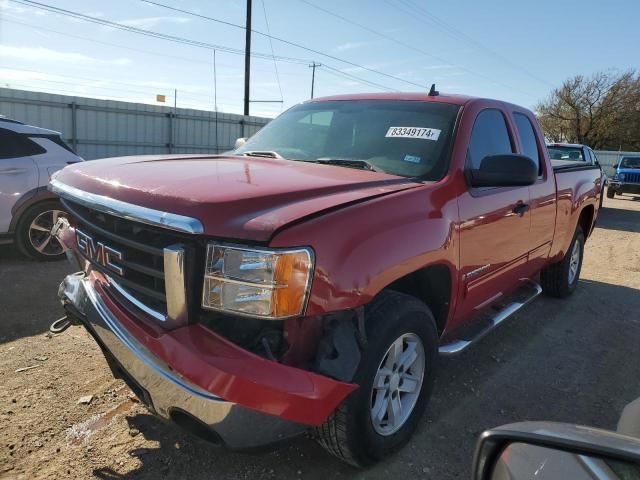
(200, 380)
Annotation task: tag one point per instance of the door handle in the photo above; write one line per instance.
(521, 209)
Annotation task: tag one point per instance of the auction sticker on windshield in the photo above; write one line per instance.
(414, 132)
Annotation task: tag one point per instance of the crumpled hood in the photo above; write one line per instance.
(234, 197)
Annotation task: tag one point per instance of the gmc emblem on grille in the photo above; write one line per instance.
(98, 252)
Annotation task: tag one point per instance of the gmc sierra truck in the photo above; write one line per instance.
(308, 280)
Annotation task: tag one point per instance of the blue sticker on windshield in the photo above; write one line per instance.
(412, 159)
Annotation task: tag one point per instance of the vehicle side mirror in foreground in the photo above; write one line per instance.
(510, 170)
(546, 451)
(239, 142)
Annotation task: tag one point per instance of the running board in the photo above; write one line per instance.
(518, 300)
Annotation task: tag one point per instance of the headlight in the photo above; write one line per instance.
(264, 283)
(621, 177)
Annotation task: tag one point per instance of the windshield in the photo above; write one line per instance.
(405, 138)
(630, 162)
(566, 153)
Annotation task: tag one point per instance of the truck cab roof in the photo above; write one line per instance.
(441, 97)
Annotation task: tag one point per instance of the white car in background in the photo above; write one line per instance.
(28, 157)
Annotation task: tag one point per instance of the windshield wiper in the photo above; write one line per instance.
(349, 162)
(263, 153)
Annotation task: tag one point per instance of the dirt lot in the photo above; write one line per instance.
(573, 360)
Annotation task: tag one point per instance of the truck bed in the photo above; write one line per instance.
(569, 165)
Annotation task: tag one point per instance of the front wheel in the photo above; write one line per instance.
(561, 279)
(33, 231)
(395, 378)
(610, 192)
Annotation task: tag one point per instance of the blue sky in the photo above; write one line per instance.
(512, 50)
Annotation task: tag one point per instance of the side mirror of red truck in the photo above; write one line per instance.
(511, 170)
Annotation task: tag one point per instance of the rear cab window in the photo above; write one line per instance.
(563, 152)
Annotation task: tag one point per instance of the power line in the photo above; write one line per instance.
(279, 39)
(183, 92)
(7, 67)
(74, 93)
(340, 73)
(175, 39)
(194, 43)
(275, 64)
(150, 33)
(460, 35)
(126, 47)
(410, 46)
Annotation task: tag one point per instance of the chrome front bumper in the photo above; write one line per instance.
(163, 391)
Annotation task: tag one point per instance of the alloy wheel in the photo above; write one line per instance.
(40, 233)
(574, 262)
(397, 384)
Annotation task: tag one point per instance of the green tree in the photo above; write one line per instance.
(602, 111)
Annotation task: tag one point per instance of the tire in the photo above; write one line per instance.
(601, 199)
(561, 279)
(350, 433)
(31, 232)
(610, 192)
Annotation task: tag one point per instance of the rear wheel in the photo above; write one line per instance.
(33, 232)
(561, 279)
(395, 379)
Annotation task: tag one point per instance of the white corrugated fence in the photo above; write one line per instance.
(107, 128)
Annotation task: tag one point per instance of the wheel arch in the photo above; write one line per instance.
(26, 201)
(433, 285)
(585, 220)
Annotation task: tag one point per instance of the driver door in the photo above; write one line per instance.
(495, 222)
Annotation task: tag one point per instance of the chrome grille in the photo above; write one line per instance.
(632, 177)
(142, 247)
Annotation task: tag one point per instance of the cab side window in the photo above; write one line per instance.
(489, 137)
(14, 145)
(527, 138)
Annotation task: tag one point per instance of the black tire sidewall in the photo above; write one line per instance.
(22, 230)
(386, 326)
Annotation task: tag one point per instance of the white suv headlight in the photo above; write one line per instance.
(264, 283)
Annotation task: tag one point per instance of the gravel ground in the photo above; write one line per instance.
(564, 360)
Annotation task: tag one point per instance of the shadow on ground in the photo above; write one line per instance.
(619, 219)
(558, 360)
(28, 294)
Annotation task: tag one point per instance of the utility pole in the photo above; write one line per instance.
(247, 58)
(173, 121)
(313, 75)
(215, 97)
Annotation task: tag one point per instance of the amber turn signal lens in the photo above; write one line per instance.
(291, 279)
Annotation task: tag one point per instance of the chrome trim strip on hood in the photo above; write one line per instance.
(128, 211)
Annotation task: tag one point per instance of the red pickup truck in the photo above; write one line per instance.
(308, 280)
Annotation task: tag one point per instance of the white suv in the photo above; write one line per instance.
(28, 157)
